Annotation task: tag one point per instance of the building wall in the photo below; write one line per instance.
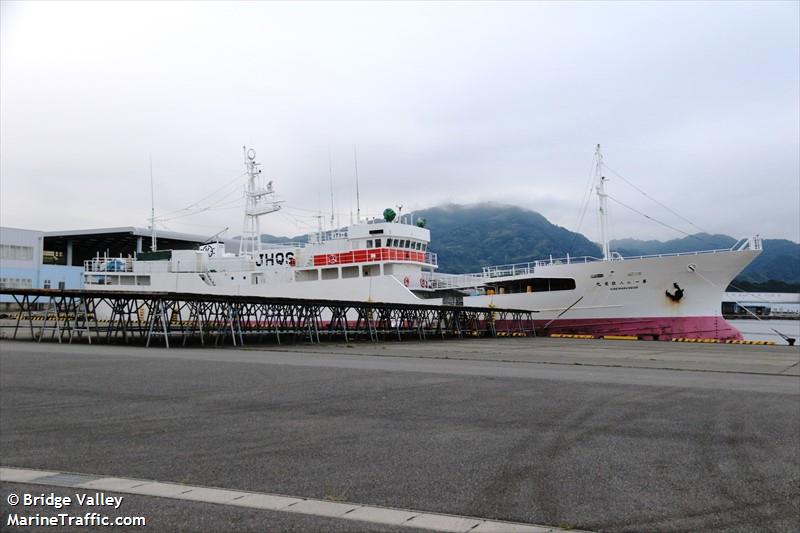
(60, 277)
(767, 303)
(21, 264)
(20, 259)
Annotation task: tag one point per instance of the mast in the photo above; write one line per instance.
(330, 173)
(153, 246)
(600, 187)
(258, 201)
(358, 200)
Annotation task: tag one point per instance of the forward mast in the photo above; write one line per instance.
(259, 200)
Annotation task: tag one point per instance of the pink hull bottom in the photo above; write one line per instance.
(656, 328)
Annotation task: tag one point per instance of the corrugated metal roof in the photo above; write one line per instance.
(133, 230)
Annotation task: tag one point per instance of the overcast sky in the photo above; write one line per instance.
(695, 103)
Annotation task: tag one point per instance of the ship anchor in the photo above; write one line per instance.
(678, 293)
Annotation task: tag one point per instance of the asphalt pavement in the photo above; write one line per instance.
(627, 440)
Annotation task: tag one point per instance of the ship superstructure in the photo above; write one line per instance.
(376, 259)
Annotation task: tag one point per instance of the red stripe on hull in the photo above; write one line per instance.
(657, 328)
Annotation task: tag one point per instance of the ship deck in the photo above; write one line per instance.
(457, 435)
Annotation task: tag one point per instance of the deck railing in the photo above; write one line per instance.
(452, 281)
(108, 264)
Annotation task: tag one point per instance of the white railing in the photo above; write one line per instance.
(747, 243)
(293, 244)
(108, 264)
(435, 280)
(431, 258)
(453, 281)
(517, 269)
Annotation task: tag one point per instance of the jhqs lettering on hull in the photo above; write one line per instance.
(277, 258)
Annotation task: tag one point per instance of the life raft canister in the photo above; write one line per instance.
(406, 281)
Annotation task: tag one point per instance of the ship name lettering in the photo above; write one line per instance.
(271, 259)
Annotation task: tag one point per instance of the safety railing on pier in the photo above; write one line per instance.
(200, 319)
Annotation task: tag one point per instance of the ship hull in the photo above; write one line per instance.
(652, 328)
(631, 297)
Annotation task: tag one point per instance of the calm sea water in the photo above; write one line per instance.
(761, 330)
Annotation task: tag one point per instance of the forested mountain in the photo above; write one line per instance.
(470, 237)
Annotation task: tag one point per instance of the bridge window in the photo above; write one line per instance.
(306, 275)
(536, 285)
(377, 243)
(369, 243)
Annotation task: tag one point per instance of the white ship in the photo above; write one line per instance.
(385, 260)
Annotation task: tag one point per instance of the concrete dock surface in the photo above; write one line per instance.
(566, 433)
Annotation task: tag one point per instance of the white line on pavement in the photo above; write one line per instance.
(274, 502)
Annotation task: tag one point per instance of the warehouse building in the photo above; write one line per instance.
(773, 304)
(31, 259)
